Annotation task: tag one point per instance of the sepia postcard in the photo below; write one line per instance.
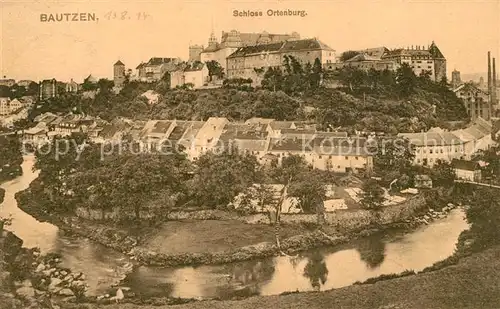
(199, 154)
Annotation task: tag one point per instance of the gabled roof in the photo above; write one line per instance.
(158, 61)
(280, 125)
(292, 144)
(435, 52)
(119, 63)
(287, 46)
(469, 87)
(432, 138)
(161, 127)
(362, 57)
(376, 52)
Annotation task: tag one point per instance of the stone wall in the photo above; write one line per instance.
(351, 219)
(342, 219)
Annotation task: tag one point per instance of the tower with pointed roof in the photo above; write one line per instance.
(119, 74)
(439, 62)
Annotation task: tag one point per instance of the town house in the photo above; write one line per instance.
(466, 170)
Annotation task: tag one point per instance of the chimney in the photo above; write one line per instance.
(494, 83)
(489, 73)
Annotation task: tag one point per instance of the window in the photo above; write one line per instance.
(431, 151)
(441, 150)
(329, 157)
(346, 158)
(320, 157)
(356, 158)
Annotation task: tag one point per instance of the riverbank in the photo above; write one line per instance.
(470, 284)
(296, 237)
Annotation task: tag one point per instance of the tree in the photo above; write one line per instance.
(348, 55)
(483, 215)
(392, 155)
(443, 174)
(406, 80)
(214, 69)
(308, 187)
(219, 178)
(372, 196)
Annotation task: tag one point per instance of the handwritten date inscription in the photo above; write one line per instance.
(126, 15)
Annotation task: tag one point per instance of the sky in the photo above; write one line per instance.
(30, 49)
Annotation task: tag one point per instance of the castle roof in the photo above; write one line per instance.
(435, 52)
(287, 46)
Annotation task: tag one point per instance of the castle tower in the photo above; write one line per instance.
(439, 62)
(212, 41)
(119, 74)
(455, 79)
(195, 52)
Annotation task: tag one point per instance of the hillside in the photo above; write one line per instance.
(383, 101)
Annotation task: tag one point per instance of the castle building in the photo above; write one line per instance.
(231, 41)
(253, 61)
(48, 89)
(119, 74)
(420, 59)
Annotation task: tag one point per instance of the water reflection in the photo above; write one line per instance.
(316, 270)
(371, 250)
(322, 269)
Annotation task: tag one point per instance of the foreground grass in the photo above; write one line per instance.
(471, 284)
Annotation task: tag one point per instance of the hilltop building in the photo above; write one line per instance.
(119, 74)
(420, 59)
(195, 73)
(9, 82)
(253, 61)
(455, 79)
(72, 87)
(232, 40)
(155, 68)
(48, 89)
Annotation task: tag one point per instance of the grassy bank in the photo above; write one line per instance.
(471, 283)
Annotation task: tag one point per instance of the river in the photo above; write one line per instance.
(321, 269)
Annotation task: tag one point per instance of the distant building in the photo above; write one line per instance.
(195, 52)
(476, 101)
(232, 40)
(25, 83)
(72, 87)
(194, 73)
(48, 89)
(420, 59)
(119, 74)
(467, 170)
(253, 61)
(155, 68)
(7, 82)
(455, 79)
(364, 62)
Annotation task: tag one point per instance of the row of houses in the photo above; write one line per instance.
(267, 139)
(438, 144)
